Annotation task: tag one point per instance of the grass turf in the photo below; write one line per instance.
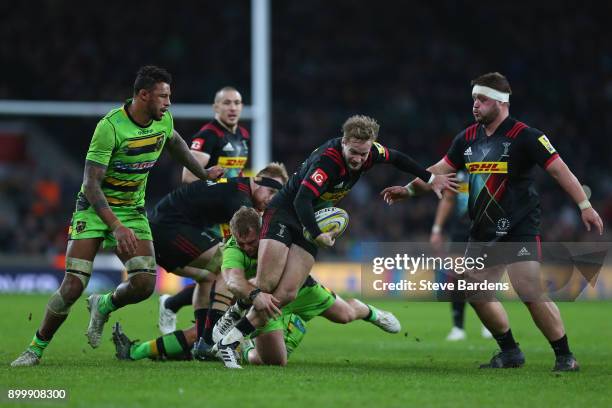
(353, 365)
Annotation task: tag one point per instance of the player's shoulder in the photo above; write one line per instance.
(518, 130)
(244, 132)
(468, 133)
(212, 129)
(330, 153)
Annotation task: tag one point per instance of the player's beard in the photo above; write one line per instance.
(489, 117)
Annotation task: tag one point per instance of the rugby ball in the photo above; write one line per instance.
(328, 219)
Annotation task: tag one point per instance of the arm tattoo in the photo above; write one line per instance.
(92, 185)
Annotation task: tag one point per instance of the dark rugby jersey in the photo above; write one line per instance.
(226, 149)
(324, 179)
(503, 199)
(205, 204)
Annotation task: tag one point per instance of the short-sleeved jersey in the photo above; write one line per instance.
(236, 258)
(326, 174)
(129, 151)
(226, 149)
(502, 196)
(204, 204)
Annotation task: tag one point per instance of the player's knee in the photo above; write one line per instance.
(78, 272)
(141, 275)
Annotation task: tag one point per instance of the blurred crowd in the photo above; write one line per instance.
(408, 68)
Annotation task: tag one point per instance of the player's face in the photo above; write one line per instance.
(228, 107)
(263, 195)
(249, 242)
(158, 100)
(485, 109)
(356, 152)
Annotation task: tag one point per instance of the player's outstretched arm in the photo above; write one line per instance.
(179, 150)
(444, 179)
(202, 158)
(568, 181)
(92, 188)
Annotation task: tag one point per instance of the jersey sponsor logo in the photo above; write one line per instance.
(139, 167)
(232, 162)
(197, 144)
(228, 147)
(487, 167)
(334, 197)
(224, 229)
(546, 143)
(468, 151)
(282, 228)
(319, 177)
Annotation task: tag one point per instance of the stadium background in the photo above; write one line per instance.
(410, 70)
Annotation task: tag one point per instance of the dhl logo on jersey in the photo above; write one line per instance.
(232, 162)
(225, 231)
(487, 167)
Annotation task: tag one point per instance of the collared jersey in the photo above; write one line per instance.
(226, 149)
(129, 151)
(502, 195)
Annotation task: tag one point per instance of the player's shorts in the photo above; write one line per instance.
(310, 302)
(283, 225)
(512, 249)
(87, 224)
(177, 245)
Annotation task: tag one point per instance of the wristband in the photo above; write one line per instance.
(436, 229)
(410, 188)
(116, 224)
(583, 205)
(254, 294)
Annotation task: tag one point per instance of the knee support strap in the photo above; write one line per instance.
(80, 268)
(58, 305)
(141, 264)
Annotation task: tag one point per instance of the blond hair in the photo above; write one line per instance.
(245, 220)
(274, 170)
(360, 127)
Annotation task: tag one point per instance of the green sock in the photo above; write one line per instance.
(171, 346)
(106, 304)
(38, 346)
(245, 353)
(373, 314)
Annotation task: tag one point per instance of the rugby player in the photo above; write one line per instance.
(110, 207)
(500, 152)
(280, 337)
(182, 224)
(220, 142)
(286, 256)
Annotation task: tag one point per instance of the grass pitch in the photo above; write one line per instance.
(336, 366)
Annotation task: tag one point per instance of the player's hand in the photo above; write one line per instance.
(267, 304)
(443, 182)
(590, 216)
(126, 240)
(436, 240)
(327, 239)
(215, 172)
(395, 193)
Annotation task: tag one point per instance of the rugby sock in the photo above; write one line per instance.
(106, 304)
(170, 346)
(211, 319)
(38, 345)
(200, 319)
(561, 347)
(183, 298)
(505, 341)
(458, 311)
(245, 353)
(373, 315)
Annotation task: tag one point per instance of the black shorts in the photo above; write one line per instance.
(510, 250)
(283, 225)
(177, 245)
